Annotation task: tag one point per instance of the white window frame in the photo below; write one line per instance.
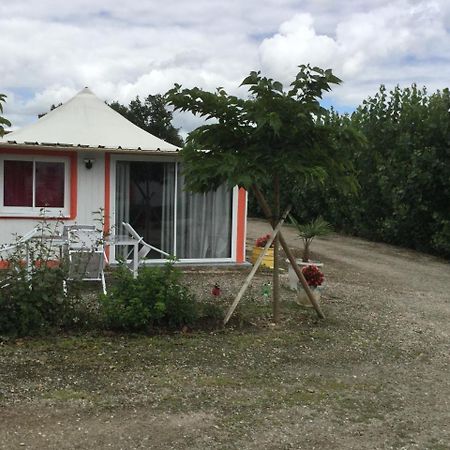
(35, 211)
(234, 211)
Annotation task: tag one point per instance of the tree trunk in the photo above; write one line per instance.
(306, 252)
(276, 254)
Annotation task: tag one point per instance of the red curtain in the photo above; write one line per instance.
(49, 184)
(18, 183)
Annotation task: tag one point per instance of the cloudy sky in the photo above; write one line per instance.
(50, 49)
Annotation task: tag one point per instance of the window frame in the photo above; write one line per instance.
(35, 211)
(234, 210)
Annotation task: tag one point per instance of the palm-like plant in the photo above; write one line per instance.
(310, 230)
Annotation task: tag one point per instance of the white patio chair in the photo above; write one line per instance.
(8, 248)
(140, 248)
(23, 239)
(86, 254)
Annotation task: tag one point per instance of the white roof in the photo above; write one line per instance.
(87, 121)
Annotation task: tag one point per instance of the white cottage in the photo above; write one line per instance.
(83, 156)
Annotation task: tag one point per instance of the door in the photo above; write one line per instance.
(145, 194)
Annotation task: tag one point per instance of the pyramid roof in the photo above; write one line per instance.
(87, 121)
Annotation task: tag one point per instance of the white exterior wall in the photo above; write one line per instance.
(91, 187)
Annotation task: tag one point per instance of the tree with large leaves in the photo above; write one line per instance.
(3, 121)
(260, 143)
(151, 115)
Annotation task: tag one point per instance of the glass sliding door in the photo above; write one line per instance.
(151, 197)
(145, 194)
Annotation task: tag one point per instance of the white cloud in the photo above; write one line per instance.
(400, 42)
(52, 49)
(297, 42)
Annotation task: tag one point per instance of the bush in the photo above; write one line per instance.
(30, 303)
(35, 292)
(155, 298)
(32, 297)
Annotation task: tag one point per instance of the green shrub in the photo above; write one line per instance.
(31, 301)
(35, 295)
(155, 298)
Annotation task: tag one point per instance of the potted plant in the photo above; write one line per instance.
(260, 243)
(307, 232)
(314, 277)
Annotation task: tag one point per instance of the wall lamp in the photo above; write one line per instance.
(89, 162)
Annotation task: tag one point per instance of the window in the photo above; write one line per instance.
(32, 183)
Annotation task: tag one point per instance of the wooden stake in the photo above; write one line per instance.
(276, 256)
(268, 213)
(258, 262)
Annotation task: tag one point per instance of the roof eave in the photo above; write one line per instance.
(78, 148)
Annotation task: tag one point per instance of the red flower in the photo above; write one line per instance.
(313, 276)
(262, 241)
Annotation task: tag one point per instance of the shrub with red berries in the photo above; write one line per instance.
(313, 275)
(262, 241)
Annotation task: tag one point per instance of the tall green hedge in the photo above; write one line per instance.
(403, 170)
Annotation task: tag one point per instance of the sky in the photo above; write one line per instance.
(51, 49)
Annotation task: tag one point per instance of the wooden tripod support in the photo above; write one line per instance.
(268, 213)
(256, 266)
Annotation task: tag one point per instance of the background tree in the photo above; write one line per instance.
(3, 121)
(408, 133)
(51, 109)
(263, 142)
(151, 115)
(403, 173)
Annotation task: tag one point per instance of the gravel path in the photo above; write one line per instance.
(400, 301)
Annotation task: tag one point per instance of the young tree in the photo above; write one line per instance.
(151, 115)
(3, 121)
(260, 142)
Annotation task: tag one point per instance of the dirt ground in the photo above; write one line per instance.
(373, 375)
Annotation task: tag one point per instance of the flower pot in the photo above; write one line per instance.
(268, 257)
(302, 298)
(294, 284)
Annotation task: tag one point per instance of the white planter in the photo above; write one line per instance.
(302, 298)
(294, 284)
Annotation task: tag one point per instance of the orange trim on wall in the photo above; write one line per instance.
(73, 178)
(73, 186)
(240, 228)
(107, 224)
